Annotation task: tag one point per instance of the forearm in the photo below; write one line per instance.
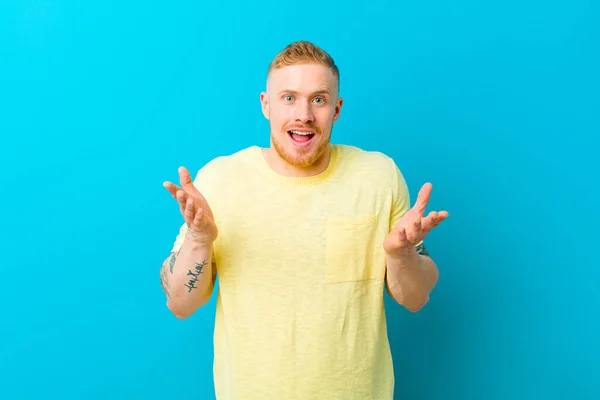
(187, 277)
(410, 278)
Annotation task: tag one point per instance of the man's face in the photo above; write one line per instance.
(301, 104)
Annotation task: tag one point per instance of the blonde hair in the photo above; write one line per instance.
(303, 52)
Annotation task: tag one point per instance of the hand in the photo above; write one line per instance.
(194, 208)
(413, 226)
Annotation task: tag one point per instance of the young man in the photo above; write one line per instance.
(305, 236)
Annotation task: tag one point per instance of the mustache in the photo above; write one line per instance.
(296, 126)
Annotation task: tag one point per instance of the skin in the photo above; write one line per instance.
(300, 96)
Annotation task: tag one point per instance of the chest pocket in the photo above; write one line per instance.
(353, 250)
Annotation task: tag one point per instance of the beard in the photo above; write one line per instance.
(299, 158)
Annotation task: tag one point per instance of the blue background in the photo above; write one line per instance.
(496, 103)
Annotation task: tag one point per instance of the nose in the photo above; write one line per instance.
(304, 113)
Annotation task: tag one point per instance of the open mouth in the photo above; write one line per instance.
(301, 136)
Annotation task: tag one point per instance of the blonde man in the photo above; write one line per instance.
(304, 236)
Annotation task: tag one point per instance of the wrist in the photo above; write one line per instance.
(404, 256)
(198, 239)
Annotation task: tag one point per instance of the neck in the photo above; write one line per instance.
(282, 167)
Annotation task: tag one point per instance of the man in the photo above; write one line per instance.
(305, 237)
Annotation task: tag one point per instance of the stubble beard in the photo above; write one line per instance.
(300, 159)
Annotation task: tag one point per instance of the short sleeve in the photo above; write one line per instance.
(179, 238)
(400, 196)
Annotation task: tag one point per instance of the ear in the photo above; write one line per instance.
(264, 101)
(338, 108)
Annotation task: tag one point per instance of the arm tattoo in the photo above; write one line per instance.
(172, 261)
(422, 250)
(164, 282)
(191, 284)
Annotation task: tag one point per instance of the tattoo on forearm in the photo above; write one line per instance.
(422, 250)
(172, 261)
(195, 275)
(164, 282)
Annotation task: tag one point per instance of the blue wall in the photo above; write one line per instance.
(496, 103)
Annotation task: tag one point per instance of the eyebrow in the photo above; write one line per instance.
(321, 91)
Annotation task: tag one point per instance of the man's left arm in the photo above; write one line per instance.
(411, 274)
(410, 277)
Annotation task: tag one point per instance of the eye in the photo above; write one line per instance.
(288, 98)
(319, 100)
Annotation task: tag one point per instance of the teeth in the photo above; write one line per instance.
(302, 133)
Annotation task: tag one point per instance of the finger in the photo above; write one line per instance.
(171, 188)
(433, 219)
(182, 200)
(188, 185)
(188, 213)
(402, 236)
(413, 233)
(429, 222)
(423, 198)
(186, 180)
(442, 215)
(198, 221)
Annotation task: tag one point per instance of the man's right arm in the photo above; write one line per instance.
(188, 277)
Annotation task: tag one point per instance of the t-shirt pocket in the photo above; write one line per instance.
(352, 250)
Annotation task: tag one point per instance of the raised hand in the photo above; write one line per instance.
(413, 226)
(194, 208)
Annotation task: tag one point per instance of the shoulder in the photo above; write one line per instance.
(225, 166)
(375, 162)
(375, 167)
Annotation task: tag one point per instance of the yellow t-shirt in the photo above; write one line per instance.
(301, 270)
